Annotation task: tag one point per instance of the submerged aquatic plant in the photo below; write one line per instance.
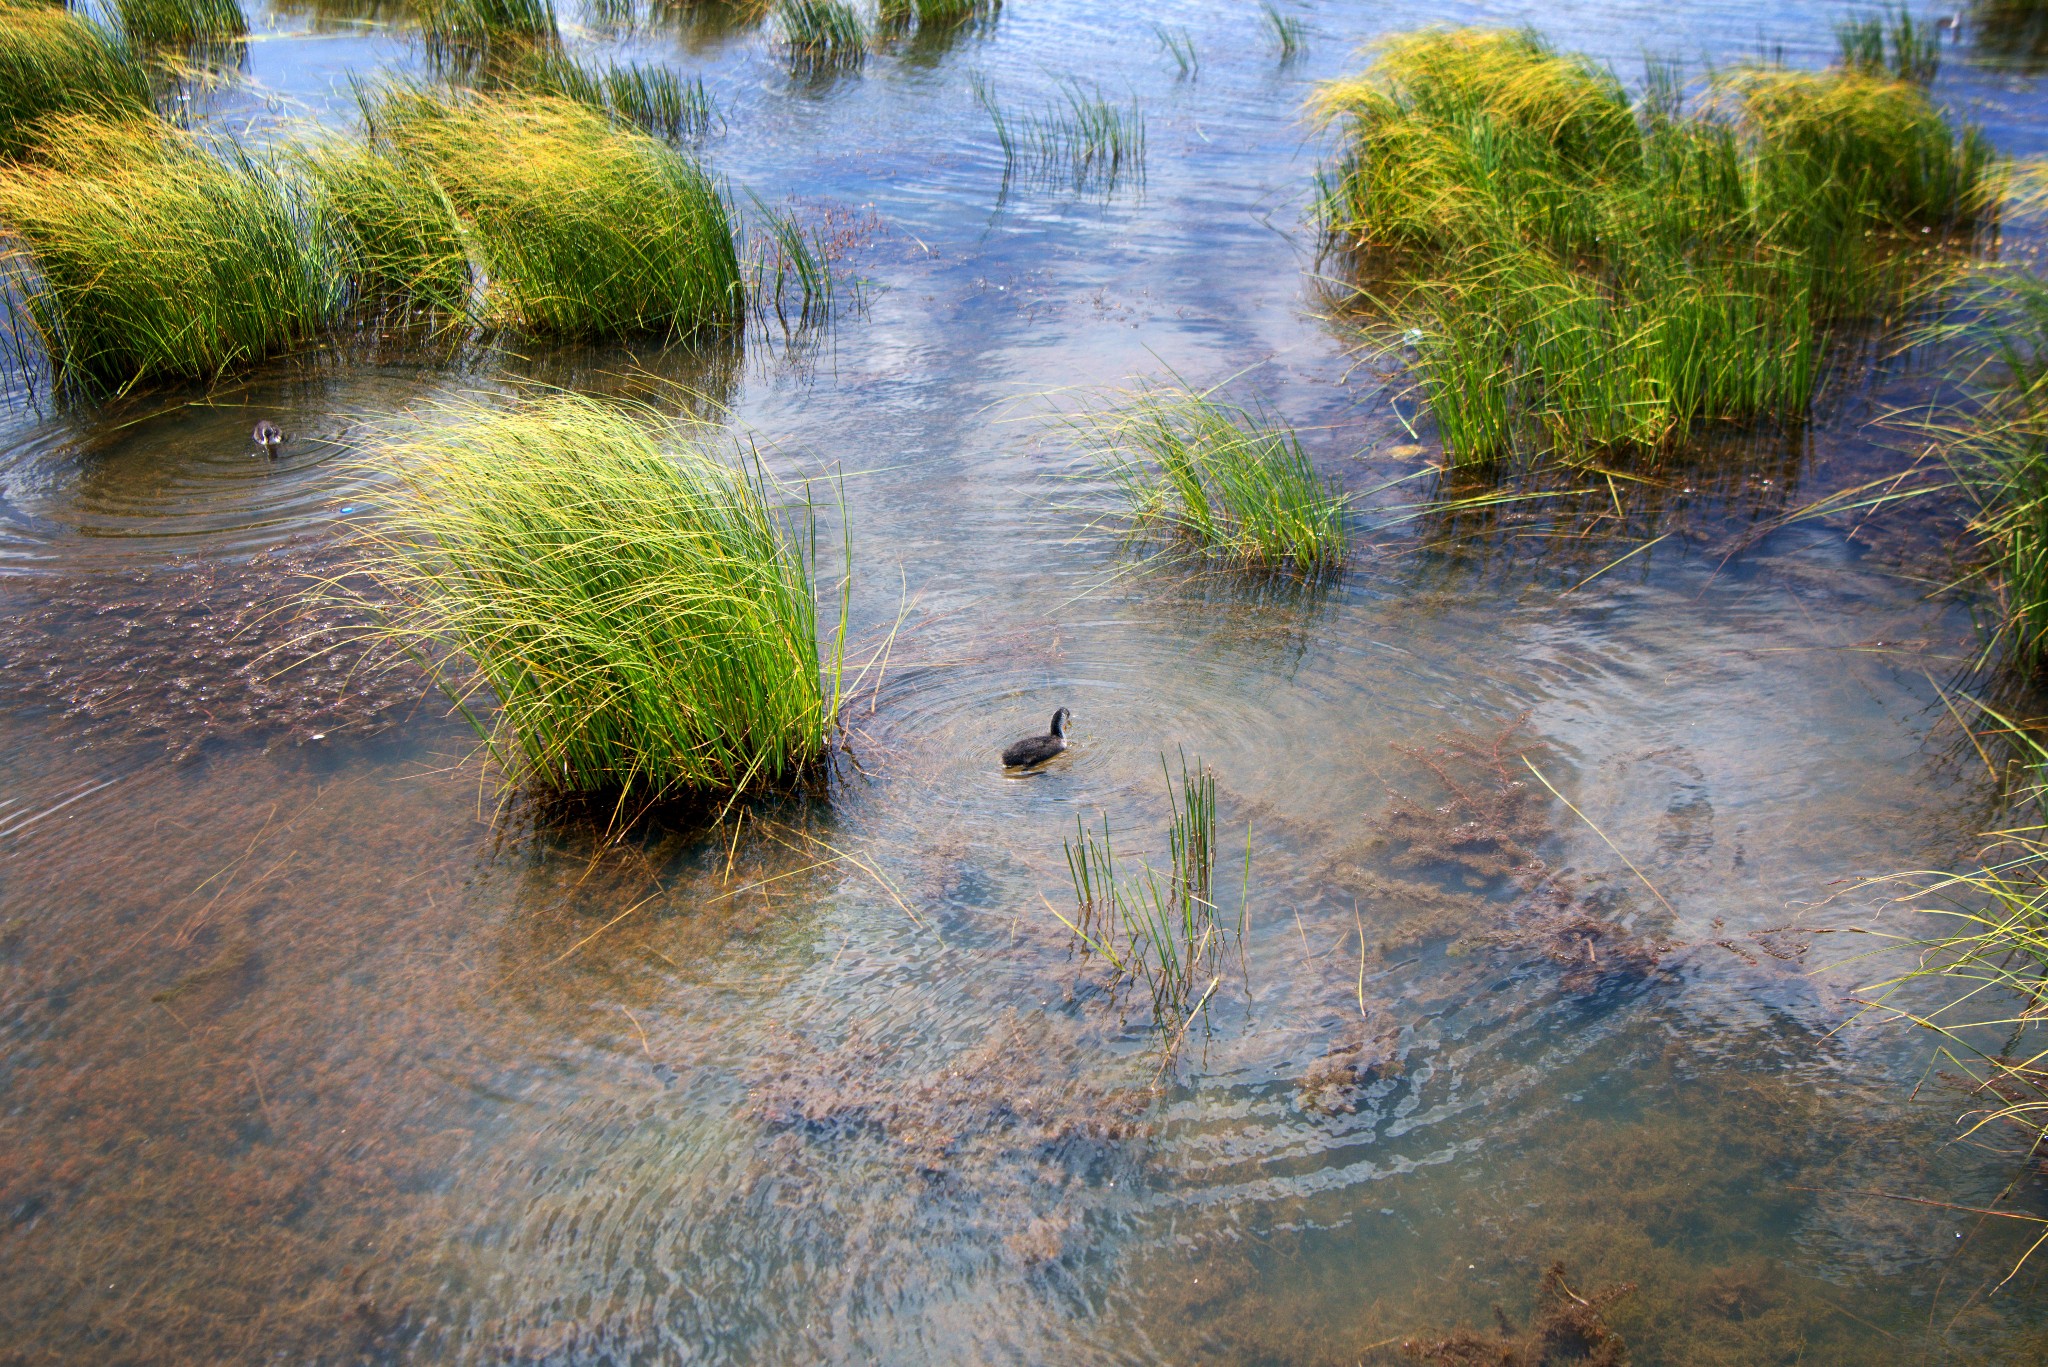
(642, 612)
(53, 61)
(1563, 260)
(1220, 480)
(1082, 140)
(583, 229)
(141, 253)
(180, 22)
(1162, 930)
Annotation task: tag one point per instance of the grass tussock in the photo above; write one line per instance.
(1080, 140)
(478, 25)
(929, 16)
(394, 236)
(139, 253)
(55, 62)
(1218, 480)
(582, 228)
(636, 603)
(654, 99)
(1890, 43)
(180, 23)
(1160, 929)
(1570, 267)
(821, 36)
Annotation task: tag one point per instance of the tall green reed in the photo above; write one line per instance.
(1081, 140)
(179, 22)
(1217, 479)
(1163, 930)
(641, 607)
(53, 61)
(821, 36)
(1890, 43)
(477, 25)
(141, 253)
(582, 228)
(1289, 31)
(654, 99)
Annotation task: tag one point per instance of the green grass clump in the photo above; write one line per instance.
(394, 235)
(1162, 930)
(55, 62)
(652, 98)
(1586, 270)
(180, 22)
(1081, 140)
(634, 601)
(1893, 44)
(140, 253)
(927, 15)
(821, 35)
(1290, 34)
(1179, 44)
(475, 25)
(582, 228)
(1219, 480)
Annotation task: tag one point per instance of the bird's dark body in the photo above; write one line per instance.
(1036, 750)
(268, 437)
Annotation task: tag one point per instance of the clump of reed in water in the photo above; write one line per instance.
(1890, 43)
(582, 228)
(1081, 140)
(1603, 272)
(821, 35)
(55, 62)
(898, 15)
(1290, 34)
(180, 22)
(635, 601)
(393, 234)
(1162, 930)
(1219, 479)
(652, 98)
(140, 253)
(475, 25)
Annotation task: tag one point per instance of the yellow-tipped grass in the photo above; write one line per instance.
(634, 601)
(584, 228)
(1218, 480)
(54, 62)
(394, 234)
(140, 253)
(1582, 270)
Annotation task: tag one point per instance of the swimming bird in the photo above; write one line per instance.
(1033, 751)
(268, 437)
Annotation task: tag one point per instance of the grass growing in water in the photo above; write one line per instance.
(1083, 140)
(1290, 34)
(1179, 44)
(1221, 480)
(474, 25)
(821, 35)
(652, 98)
(1890, 44)
(394, 236)
(55, 62)
(180, 22)
(1162, 930)
(141, 253)
(635, 602)
(929, 15)
(1605, 273)
(584, 229)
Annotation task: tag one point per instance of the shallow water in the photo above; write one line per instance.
(313, 1052)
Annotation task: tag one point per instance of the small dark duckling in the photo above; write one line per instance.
(269, 437)
(1033, 751)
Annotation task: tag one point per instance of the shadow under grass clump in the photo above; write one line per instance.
(1578, 270)
(582, 229)
(141, 253)
(635, 603)
(55, 62)
(1215, 479)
